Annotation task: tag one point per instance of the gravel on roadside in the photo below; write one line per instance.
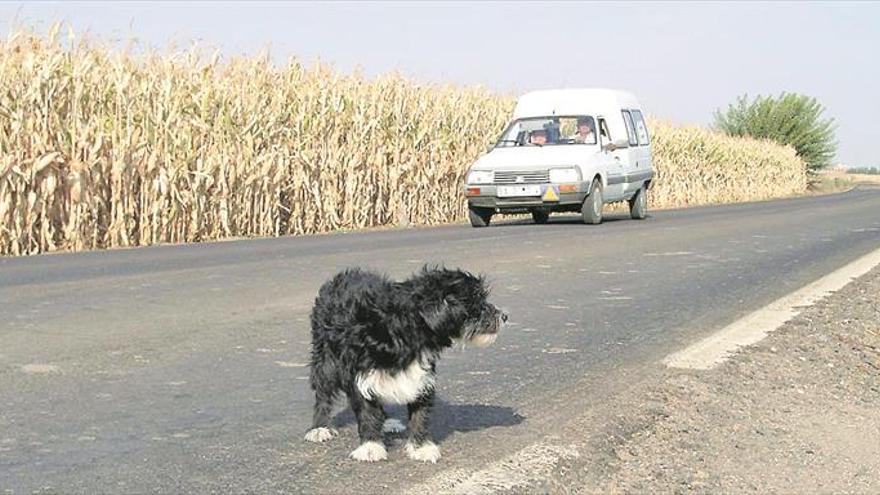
(799, 412)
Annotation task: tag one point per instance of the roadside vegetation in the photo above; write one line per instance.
(789, 119)
(103, 148)
(831, 182)
(863, 170)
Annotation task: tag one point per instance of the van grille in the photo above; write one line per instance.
(524, 177)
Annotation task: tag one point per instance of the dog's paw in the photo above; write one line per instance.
(427, 452)
(393, 426)
(320, 434)
(370, 452)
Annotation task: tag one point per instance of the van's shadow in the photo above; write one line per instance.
(561, 219)
(447, 418)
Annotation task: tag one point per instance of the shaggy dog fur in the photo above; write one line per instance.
(377, 341)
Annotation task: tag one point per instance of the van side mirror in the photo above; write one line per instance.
(621, 143)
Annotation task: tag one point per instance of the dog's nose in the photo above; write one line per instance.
(504, 317)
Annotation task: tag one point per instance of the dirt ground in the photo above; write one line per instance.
(796, 413)
(864, 178)
(833, 181)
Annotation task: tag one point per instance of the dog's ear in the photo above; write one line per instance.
(445, 316)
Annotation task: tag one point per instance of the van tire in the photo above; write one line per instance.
(638, 205)
(540, 217)
(479, 217)
(591, 210)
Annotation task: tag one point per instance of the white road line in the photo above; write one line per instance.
(673, 253)
(515, 471)
(752, 328)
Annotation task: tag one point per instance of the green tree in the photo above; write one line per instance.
(791, 119)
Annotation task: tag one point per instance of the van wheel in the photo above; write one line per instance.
(479, 217)
(591, 211)
(638, 205)
(540, 217)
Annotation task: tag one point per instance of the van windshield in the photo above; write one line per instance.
(549, 131)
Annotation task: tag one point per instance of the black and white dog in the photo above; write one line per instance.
(377, 341)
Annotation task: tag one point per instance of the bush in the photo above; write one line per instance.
(790, 119)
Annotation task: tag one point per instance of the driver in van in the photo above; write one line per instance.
(538, 137)
(585, 134)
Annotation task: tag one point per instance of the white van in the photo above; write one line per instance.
(565, 150)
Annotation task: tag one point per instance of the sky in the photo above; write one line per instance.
(683, 60)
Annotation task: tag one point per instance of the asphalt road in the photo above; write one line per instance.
(181, 368)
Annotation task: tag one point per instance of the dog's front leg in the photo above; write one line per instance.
(325, 388)
(370, 417)
(420, 446)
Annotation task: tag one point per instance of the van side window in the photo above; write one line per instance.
(630, 128)
(641, 128)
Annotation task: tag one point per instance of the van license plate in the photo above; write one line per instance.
(509, 191)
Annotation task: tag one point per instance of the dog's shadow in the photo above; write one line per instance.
(448, 418)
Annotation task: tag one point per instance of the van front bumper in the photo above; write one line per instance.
(486, 196)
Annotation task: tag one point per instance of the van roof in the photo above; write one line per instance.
(573, 101)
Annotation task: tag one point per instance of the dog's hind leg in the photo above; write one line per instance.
(324, 394)
(420, 446)
(370, 418)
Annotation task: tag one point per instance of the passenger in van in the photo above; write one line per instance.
(538, 137)
(585, 134)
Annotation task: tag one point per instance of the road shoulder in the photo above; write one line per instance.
(799, 412)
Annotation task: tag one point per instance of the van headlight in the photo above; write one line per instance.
(480, 177)
(564, 175)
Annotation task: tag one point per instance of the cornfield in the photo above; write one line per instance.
(697, 166)
(100, 148)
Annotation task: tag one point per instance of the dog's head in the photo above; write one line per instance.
(456, 306)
